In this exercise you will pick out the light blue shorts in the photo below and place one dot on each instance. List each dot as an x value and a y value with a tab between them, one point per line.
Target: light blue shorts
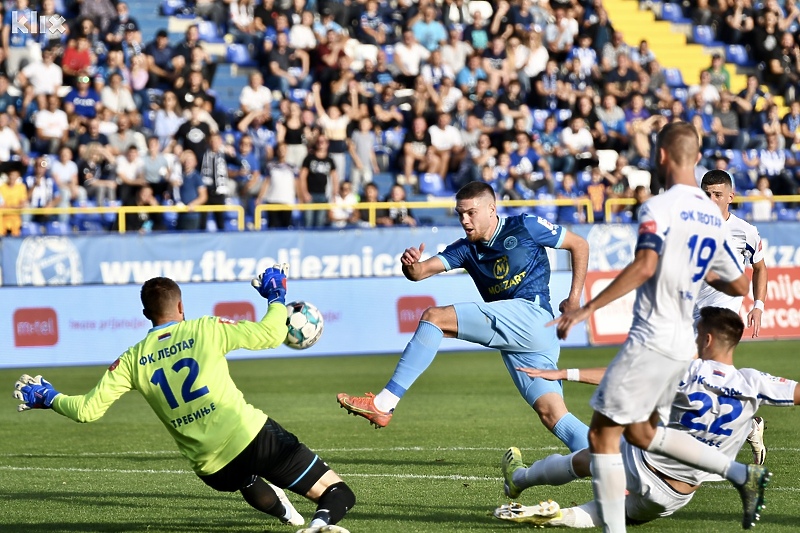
515	328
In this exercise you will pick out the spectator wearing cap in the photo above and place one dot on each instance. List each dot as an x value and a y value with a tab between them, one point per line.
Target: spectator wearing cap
52	126
82	103
77	58
16	43
45	75
160	63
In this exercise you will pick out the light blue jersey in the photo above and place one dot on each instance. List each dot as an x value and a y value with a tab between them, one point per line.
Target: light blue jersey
514	263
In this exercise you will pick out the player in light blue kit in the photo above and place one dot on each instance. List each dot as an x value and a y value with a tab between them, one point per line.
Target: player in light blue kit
507	260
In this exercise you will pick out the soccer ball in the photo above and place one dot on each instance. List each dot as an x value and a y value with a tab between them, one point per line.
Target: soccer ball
305	325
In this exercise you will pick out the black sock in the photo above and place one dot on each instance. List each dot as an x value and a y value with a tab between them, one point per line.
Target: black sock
334	503
261	496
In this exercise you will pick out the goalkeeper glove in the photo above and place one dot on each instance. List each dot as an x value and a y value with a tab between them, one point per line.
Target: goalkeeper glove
272	284
36	393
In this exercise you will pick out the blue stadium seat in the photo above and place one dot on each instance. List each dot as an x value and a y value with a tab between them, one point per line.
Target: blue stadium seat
584	179
389	51
737	54
208	32
680	93
56	228
30	228
785	214
673	13
539	116
384	182
433	184
239	54
171	8
706	36
674	77
563	115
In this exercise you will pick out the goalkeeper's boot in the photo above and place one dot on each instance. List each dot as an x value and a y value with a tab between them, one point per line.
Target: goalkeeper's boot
323	529
756	440
365	406
295	518
512	461
543	515
752	494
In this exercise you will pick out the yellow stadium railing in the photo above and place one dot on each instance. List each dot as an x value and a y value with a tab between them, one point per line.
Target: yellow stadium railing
125	210
611	203
373	207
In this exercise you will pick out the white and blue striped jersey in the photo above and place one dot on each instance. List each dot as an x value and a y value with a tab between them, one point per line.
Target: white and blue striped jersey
686	229
714	404
746	242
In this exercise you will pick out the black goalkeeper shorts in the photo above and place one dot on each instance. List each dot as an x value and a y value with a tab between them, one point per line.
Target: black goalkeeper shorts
275	455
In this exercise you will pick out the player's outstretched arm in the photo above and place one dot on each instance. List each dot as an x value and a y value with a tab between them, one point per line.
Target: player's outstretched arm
642	268
760	278
579	255
416	270
590	376
737	287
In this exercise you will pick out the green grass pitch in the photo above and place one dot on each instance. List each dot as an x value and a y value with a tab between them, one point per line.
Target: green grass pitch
434	469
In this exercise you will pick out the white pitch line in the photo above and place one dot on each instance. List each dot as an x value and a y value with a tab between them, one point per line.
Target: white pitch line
175	453
452	477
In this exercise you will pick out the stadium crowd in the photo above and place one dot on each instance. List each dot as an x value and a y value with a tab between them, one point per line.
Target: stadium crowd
372	100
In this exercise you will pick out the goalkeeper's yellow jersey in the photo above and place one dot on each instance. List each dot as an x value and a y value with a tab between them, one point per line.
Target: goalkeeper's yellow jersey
181	370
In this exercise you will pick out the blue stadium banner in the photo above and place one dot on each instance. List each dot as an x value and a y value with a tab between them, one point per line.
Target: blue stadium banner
186	257
132	259
60	326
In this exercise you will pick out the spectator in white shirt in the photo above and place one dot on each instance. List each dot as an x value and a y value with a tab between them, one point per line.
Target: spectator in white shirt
9	140
130	175
446	140
578	141
408	56
116	97
255	96
65	172
301	36
709	92
45	76
344	213
52	126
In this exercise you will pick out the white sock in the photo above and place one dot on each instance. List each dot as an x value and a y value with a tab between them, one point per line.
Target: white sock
690	451
317	523
608	483
386	401
553	470
581	517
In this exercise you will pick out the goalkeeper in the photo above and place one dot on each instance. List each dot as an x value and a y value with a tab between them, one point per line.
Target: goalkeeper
181	370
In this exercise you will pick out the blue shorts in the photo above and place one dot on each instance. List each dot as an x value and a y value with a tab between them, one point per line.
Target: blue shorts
515	328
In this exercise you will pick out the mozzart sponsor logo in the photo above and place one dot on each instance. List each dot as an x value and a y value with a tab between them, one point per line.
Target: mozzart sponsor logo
410	309
35	326
235	311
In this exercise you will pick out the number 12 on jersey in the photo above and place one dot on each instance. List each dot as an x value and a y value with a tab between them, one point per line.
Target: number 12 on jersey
187	394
